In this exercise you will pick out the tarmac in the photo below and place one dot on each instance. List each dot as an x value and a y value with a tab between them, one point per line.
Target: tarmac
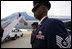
22	42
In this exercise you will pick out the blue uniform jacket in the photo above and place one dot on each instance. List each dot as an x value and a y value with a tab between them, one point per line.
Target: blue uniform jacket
50	34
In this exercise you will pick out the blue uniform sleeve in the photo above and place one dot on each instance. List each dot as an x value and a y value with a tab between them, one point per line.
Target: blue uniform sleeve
54	29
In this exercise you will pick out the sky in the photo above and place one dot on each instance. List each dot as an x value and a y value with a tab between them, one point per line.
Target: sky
58	8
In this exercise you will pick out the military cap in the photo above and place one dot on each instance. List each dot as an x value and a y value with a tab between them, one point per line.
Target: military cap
36	4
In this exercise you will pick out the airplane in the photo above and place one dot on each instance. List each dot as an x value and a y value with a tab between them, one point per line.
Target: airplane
24	21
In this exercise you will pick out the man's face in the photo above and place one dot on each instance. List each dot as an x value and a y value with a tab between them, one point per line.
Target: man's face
39	11
34	27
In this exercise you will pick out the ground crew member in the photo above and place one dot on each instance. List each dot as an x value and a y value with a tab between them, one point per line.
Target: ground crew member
50	33
1	34
34	26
